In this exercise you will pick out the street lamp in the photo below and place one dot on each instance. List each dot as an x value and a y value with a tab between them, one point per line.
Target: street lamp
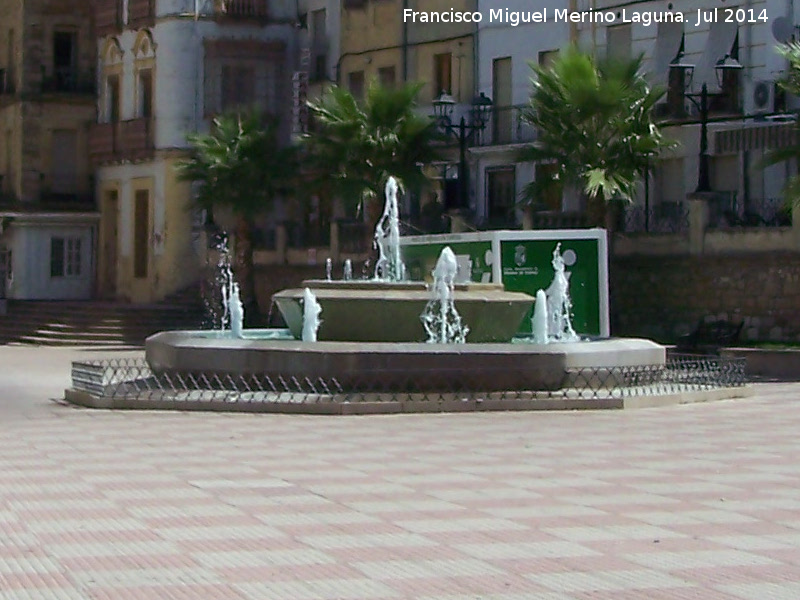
464	132
725	64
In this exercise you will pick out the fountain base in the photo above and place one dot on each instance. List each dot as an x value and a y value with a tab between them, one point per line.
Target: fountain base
378	311
406	367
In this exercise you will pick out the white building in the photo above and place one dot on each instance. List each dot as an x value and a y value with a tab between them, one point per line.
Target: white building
166	68
743	112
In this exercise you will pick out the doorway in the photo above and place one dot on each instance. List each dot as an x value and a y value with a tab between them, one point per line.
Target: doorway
110	211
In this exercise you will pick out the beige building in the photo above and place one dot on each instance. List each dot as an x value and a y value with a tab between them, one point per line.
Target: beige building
166	68
47	211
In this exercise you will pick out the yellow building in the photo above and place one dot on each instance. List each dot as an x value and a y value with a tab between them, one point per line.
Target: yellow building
47	90
389	41
163	75
380	40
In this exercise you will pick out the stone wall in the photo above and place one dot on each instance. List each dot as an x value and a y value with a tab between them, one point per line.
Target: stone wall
664	297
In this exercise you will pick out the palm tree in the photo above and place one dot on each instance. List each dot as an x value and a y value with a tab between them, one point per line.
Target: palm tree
240	165
791	83
354	147
595	124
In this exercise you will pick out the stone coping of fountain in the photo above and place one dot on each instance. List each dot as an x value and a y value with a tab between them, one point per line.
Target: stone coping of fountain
379	284
407	366
380	311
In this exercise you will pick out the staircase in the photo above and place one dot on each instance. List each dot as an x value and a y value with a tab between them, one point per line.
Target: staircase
95	323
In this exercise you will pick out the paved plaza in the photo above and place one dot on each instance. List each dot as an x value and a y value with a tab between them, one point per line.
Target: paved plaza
684	502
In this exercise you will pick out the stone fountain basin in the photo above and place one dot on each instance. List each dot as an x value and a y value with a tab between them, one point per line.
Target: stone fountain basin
378	311
393	367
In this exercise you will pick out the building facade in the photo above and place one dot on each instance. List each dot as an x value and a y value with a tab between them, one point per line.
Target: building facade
47	213
166	68
746	106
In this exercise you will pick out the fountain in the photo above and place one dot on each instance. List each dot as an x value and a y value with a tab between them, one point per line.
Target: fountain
347	273
311	310
539	321
440	317
559	305
236	312
389	266
376	331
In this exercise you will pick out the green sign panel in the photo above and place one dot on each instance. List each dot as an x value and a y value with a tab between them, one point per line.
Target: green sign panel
522	261
527	267
474	260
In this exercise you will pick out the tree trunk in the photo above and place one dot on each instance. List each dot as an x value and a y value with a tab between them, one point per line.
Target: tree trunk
245	272
597	211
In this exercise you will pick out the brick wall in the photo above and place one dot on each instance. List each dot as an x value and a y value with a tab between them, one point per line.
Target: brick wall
663	297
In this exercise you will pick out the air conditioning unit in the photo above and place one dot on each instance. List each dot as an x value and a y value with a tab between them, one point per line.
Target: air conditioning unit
766	97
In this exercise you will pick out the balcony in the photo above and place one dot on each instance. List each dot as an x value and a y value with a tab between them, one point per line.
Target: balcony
103	142
67	192
241	9
137	138
506	126
132	140
69	81
108	17
141	13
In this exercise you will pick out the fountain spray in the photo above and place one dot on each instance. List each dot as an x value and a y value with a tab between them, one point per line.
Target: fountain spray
390	265
311	311
440	317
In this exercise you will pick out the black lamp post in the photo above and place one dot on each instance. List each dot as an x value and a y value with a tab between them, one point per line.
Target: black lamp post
464	132
700	101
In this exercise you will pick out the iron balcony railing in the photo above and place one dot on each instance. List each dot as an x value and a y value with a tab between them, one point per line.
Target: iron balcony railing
122	140
661	217
506	126
68	81
251	9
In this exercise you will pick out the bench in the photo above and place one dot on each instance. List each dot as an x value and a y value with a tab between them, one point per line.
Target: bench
710	336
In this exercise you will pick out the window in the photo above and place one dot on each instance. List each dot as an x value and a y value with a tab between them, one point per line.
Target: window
10	62
618	42
112	98
501	192
547	58
502	115
8	180
141	233
731	78
386	76
65	257
319	45
550	198
318	30
64	163
145	93
65	60
355	83
6	267
442	73
320	67
238	86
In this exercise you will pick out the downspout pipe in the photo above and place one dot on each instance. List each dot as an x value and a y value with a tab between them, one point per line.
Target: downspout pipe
404	56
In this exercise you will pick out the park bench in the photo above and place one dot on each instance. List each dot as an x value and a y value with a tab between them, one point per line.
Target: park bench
710	336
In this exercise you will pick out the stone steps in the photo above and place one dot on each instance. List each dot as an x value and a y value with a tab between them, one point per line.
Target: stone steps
89	323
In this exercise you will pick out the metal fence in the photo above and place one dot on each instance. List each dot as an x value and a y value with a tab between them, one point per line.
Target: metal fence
664	217
130	383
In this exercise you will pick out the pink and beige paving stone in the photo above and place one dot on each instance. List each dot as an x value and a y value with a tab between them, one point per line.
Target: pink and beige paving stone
683	502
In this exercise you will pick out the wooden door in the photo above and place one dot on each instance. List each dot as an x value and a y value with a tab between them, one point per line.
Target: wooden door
110	241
